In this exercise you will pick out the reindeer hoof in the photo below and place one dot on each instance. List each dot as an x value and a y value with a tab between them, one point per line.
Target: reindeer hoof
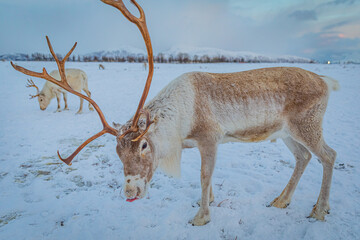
318	213
197	221
200	218
279	203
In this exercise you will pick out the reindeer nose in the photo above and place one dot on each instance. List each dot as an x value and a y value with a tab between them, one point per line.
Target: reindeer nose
130	191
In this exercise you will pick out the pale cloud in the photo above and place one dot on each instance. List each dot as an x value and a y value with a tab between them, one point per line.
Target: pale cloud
304	15
295	27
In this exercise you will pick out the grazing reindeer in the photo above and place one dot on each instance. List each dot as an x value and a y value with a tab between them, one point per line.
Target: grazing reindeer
101	67
77	80
203	110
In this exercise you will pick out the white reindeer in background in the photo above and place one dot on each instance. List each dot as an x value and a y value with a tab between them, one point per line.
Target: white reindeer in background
77	80
203	110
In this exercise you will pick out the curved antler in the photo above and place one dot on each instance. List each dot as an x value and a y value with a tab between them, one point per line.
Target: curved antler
32	84
64	84
141	24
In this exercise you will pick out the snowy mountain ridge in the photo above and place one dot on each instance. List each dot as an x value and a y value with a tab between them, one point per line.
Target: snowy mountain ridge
198	54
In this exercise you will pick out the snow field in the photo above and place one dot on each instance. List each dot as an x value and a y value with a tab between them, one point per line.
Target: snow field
41	198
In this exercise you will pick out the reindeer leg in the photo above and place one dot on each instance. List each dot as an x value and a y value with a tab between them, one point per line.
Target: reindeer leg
308	131
208	158
88	93
81	106
327	157
302	156
58	102
212	198
65	100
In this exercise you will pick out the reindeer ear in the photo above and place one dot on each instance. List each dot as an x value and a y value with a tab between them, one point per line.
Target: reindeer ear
117	126
142	123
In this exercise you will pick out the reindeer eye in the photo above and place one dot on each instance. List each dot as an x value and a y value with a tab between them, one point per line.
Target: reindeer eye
144	145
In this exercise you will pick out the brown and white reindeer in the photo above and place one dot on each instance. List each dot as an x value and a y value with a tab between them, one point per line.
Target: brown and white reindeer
101	67
77	80
203	110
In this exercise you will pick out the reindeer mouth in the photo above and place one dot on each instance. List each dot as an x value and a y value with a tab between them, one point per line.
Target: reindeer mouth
131	199
134	193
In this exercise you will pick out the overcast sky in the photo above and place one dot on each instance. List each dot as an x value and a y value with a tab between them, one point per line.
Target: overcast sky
310	28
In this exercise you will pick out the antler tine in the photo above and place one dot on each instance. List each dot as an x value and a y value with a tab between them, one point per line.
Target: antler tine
60	64
30	83
121	6
141	24
71	157
64	84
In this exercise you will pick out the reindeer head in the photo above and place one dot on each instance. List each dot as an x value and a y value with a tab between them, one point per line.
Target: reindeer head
43	101
134	147
139	165
137	153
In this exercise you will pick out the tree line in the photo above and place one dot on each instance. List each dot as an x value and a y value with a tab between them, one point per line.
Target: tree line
159	58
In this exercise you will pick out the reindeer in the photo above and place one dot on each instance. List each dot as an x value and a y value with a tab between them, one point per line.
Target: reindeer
101	67
203	110
77	80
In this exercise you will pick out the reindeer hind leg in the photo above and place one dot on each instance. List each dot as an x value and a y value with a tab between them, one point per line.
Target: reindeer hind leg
302	157
308	131
327	157
81	106
88	93
65	100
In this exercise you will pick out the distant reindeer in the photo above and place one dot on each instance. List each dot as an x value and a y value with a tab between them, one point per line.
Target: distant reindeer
77	80
201	109
101	67
145	66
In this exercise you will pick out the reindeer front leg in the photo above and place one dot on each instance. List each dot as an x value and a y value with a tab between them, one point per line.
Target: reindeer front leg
208	158
57	94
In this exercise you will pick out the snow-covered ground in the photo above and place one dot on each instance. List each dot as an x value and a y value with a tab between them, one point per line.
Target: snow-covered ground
42	198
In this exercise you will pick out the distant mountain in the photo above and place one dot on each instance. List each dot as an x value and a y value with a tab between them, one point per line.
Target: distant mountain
179	54
340	57
15	57
231	56
123	53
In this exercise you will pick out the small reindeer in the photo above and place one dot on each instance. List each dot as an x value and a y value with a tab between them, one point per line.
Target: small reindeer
145	66
101	67
203	110
77	80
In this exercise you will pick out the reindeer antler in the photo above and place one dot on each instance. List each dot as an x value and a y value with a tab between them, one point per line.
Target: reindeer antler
64	84
141	24
32	84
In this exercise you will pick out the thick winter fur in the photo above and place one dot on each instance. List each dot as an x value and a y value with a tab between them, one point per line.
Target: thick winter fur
77	80
203	110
